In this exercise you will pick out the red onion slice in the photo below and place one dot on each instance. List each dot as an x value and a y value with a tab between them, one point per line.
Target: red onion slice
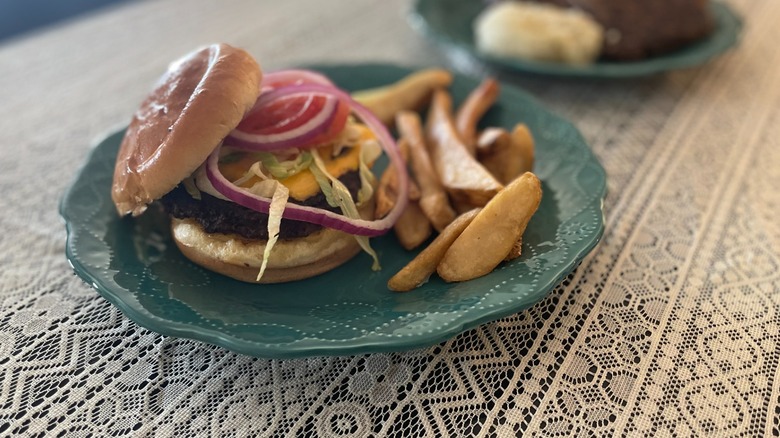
297	137
301	136
286	78
318	216
280	78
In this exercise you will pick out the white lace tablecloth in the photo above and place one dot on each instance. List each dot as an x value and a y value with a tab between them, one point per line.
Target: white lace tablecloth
669	328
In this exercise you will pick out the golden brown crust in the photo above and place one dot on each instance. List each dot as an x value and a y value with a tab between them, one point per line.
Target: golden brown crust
199	100
290	260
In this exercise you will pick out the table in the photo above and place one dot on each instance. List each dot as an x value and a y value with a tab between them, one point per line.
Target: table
669	328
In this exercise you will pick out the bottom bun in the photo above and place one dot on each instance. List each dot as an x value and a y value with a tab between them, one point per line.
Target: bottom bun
290	260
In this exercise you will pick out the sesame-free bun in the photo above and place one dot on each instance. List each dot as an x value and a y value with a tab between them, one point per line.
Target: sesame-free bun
194	106
290	259
538	32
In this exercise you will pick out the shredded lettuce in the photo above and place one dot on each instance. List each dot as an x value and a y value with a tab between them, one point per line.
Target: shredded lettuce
253	171
204	185
369	152
275	211
191	187
265	188
230	157
337	195
268	163
287	168
323	180
348	138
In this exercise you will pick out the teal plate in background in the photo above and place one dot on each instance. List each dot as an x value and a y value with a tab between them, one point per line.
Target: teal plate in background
449	23
134	264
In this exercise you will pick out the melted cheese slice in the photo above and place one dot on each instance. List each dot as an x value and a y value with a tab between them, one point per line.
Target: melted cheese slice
303	184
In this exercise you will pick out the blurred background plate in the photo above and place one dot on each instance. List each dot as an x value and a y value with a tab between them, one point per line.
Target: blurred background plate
449	24
134	264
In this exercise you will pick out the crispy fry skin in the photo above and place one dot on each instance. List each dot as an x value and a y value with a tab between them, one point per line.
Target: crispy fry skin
433	198
412	228
387	190
387	193
523	143
473	108
409	93
516	251
421	267
506	155
494	151
488	138
494	231
465	179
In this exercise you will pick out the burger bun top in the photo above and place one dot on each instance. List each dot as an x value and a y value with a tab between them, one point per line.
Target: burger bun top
198	101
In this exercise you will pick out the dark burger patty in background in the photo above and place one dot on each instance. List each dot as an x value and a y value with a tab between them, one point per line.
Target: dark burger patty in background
219	216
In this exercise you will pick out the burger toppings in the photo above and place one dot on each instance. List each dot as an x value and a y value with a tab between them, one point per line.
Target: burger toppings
293	138
337	195
278	201
288	115
217	215
318	216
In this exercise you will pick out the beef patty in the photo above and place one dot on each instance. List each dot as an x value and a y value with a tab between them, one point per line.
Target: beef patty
219	216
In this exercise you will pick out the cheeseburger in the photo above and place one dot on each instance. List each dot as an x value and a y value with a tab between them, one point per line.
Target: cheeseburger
266	178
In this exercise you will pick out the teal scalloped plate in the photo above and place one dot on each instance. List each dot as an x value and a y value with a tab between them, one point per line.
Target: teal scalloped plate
449	23
134	264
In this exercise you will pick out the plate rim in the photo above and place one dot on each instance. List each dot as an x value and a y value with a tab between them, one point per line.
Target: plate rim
296	348
727	34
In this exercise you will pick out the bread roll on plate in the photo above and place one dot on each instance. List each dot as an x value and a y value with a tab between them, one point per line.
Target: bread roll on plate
538	32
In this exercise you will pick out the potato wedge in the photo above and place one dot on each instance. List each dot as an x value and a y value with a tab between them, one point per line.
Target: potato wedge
516	251
488	138
412	228
417	271
523	144
410	93
461	206
433	198
506	155
387	193
387	190
473	108
489	238
494	152
465	179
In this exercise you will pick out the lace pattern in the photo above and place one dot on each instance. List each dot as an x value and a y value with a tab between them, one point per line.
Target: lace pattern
669	328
